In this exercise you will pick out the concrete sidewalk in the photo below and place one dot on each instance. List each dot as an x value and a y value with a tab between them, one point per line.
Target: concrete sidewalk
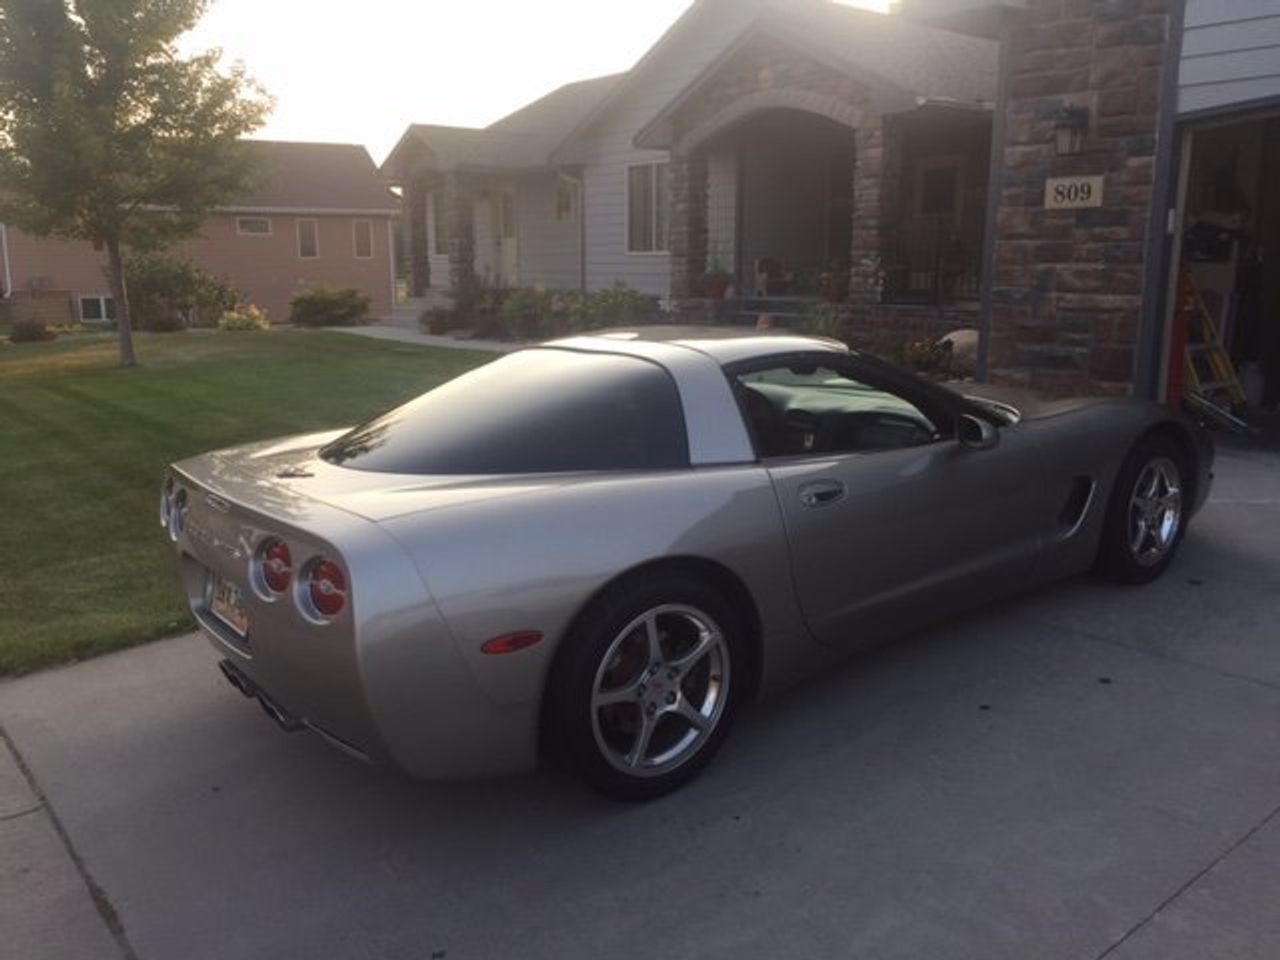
399	334
1088	772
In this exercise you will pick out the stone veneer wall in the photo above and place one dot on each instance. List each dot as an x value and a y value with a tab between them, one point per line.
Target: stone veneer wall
1067	287
766	74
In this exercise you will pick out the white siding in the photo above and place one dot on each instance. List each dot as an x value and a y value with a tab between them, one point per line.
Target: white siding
1230	53
607	149
550	249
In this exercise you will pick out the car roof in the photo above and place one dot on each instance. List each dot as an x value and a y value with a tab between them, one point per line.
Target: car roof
724	345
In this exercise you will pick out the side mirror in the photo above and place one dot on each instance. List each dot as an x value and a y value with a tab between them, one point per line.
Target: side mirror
974	433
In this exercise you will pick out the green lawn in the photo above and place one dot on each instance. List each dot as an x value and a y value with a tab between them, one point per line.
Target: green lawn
84	566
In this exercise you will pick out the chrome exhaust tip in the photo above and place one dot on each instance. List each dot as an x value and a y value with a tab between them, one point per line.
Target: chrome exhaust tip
284	721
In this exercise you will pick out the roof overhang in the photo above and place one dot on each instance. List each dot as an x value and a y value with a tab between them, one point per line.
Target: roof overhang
883	96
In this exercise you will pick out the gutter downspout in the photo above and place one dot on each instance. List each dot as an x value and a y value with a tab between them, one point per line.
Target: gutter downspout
8	273
995	187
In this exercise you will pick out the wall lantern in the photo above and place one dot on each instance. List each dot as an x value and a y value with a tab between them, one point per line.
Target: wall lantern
1070	126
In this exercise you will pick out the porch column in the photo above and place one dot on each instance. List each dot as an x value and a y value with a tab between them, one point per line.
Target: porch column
460	229
415	235
877	168
687	185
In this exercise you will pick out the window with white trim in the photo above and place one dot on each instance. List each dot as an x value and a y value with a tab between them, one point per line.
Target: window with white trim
647	208
308	239
253	226
97	309
566	200
362	238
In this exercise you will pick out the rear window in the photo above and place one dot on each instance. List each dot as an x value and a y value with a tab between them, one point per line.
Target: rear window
536	411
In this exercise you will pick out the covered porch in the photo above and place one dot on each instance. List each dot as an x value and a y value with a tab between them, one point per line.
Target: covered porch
461	189
796	180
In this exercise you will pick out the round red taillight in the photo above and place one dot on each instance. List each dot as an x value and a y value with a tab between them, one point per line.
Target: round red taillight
275	564
327	587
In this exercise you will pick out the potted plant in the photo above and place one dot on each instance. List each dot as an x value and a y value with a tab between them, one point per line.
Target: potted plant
716	282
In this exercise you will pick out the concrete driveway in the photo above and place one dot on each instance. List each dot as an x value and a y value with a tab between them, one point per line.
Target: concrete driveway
1088	772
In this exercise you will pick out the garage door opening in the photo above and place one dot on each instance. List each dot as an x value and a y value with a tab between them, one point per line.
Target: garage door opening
1224	319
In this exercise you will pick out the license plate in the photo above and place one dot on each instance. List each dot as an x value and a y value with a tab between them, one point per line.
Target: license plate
227	604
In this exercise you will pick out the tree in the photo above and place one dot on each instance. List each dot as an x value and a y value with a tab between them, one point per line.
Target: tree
109	135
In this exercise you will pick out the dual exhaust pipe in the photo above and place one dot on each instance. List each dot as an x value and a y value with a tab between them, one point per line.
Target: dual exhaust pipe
282	717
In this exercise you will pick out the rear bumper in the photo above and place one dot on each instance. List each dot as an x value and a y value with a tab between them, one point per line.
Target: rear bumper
384	679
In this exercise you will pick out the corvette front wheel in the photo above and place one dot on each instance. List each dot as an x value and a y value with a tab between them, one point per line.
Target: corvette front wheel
648	689
1146	518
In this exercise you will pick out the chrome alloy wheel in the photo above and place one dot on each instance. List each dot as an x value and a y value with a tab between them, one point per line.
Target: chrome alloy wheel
1155	511
660	690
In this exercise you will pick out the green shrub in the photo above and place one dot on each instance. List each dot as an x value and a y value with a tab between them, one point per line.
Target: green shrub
822	320
528	313
477	303
535	313
245	317
168	293
322	307
31	331
620	305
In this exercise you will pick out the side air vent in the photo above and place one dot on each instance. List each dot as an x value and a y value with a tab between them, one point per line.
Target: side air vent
1076	507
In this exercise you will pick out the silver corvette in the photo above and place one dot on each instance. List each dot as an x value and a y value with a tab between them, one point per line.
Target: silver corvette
601	548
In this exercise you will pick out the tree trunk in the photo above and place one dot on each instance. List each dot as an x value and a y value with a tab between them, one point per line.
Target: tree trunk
120	293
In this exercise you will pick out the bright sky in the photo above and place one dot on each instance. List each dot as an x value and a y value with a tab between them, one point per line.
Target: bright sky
360	71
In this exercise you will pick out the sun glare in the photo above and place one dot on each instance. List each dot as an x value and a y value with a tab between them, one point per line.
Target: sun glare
360	73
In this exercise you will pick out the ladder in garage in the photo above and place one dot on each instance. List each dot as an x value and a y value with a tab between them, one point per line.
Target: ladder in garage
1210	372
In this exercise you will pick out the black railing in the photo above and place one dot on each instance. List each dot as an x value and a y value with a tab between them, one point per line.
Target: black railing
931	260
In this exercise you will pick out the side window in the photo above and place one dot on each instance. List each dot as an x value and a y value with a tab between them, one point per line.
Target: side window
814	409
308	239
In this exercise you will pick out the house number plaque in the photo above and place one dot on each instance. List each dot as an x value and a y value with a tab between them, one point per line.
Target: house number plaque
1073	193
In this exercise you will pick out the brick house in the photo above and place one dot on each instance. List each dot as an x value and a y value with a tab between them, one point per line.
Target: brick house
1045	171
319	215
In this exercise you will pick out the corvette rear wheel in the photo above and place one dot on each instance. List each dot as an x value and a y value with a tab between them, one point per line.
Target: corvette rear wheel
1146	518
648	689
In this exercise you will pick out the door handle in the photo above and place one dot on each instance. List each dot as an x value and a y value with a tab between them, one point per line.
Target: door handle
822	493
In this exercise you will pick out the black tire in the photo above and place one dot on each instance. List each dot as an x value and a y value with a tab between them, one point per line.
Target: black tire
1119	560
595	738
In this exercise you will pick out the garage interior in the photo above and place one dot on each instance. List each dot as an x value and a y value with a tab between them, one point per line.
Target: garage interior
1225	312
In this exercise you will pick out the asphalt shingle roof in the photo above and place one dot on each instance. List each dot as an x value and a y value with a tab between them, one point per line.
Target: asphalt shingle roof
924	60
914	59
522	139
315	176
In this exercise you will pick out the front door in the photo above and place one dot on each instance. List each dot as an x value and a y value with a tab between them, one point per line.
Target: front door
508	254
891	523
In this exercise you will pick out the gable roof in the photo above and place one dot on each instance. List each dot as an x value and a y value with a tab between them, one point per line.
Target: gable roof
315	177
519	140
900	62
903	60
927	61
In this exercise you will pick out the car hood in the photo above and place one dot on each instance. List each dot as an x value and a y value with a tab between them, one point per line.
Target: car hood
285	477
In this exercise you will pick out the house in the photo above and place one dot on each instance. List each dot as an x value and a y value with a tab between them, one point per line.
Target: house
318	215
785	142
1047	171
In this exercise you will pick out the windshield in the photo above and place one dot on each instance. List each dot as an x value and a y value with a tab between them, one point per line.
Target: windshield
535	411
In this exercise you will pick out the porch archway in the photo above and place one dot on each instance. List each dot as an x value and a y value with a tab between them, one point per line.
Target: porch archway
842	111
